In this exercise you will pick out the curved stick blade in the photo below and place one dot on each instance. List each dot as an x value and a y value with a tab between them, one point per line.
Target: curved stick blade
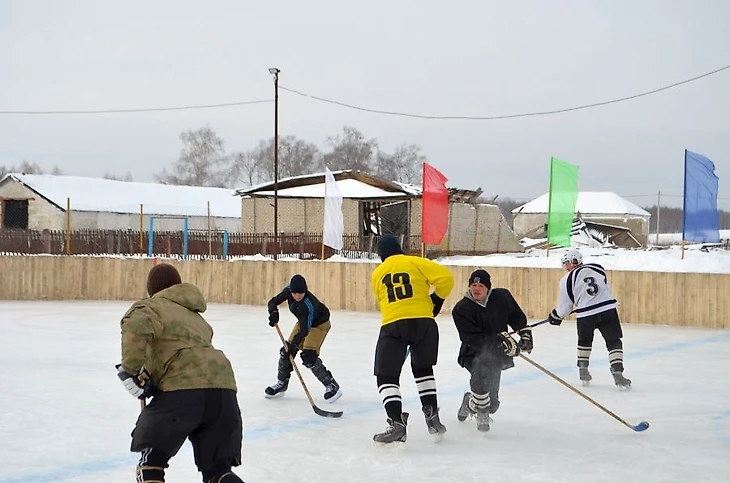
326	414
642	426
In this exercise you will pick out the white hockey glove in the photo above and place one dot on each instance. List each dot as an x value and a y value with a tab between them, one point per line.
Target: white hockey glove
138	385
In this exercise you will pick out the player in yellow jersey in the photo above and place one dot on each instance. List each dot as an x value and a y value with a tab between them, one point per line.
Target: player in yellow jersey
402	286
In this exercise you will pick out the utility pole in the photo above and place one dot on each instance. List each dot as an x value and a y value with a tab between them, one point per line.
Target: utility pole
658	210
275	72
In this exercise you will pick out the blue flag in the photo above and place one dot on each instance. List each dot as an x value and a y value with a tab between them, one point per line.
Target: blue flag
701	219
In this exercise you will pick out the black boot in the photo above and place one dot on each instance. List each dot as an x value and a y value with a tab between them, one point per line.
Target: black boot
229	477
464	410
585	376
395	432
433	423
277	389
621	381
332	390
282	375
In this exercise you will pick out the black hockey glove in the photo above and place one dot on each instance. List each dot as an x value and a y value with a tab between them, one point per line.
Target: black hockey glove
138	385
273	318
553	318
438	302
508	344
525	340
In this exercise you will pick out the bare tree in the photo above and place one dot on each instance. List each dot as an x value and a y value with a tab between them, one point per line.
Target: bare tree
202	161
262	156
296	157
246	168
351	151
26	167
404	165
127	177
56	171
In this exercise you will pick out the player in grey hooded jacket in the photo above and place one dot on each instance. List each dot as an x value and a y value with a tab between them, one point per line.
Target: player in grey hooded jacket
482	318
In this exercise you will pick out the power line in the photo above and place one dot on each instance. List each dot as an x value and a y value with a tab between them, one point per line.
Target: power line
364	109
509	116
144	109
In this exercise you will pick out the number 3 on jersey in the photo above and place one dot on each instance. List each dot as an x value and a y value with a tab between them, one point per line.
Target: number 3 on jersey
399	286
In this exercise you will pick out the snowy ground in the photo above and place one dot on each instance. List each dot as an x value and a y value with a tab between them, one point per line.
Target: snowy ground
697	259
65	417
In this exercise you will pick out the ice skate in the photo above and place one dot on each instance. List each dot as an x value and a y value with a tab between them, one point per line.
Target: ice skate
433	422
464	410
395	432
332	392
483	421
585	376
621	382
276	390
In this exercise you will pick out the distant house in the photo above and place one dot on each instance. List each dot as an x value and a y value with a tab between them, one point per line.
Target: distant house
373	206
600	210
38	202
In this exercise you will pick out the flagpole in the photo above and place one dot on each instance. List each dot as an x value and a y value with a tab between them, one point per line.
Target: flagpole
423	205
684	204
324	210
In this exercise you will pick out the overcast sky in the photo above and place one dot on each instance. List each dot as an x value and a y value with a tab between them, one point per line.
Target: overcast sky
457	57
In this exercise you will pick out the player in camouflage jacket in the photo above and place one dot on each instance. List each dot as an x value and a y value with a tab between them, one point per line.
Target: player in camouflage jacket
167	352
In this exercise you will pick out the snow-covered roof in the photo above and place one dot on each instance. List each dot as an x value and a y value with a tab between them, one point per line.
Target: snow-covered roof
589	203
110	196
350	188
352	184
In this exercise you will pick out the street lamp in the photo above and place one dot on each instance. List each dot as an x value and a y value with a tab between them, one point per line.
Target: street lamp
275	72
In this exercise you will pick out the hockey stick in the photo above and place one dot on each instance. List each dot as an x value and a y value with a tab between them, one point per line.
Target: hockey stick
642	426
530	326
318	411
544	321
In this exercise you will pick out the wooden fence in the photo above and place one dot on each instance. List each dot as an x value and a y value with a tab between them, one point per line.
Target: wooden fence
201	244
665	298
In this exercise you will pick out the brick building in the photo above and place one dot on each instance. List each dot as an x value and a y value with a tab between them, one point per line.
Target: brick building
601	208
40	202
372	206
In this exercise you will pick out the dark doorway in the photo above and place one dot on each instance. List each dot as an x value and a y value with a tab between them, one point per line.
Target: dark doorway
15	214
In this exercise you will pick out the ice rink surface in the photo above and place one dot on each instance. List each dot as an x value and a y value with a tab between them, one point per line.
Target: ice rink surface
64	416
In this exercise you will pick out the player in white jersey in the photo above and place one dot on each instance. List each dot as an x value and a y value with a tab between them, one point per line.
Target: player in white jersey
586	288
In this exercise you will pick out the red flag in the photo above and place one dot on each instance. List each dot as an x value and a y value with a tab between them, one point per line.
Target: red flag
435	208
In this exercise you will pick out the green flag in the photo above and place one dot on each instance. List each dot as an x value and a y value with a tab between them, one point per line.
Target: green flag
562	199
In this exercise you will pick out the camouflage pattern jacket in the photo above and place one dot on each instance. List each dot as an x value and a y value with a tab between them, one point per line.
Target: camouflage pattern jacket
167	335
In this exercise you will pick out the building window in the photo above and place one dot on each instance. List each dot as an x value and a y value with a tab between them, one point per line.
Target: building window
15	214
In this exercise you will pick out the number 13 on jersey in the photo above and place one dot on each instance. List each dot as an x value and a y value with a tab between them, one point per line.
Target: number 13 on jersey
398	286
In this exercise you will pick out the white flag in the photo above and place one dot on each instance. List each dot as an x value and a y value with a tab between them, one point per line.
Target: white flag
334	226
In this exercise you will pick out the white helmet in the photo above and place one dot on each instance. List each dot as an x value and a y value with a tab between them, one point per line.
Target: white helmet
572	256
